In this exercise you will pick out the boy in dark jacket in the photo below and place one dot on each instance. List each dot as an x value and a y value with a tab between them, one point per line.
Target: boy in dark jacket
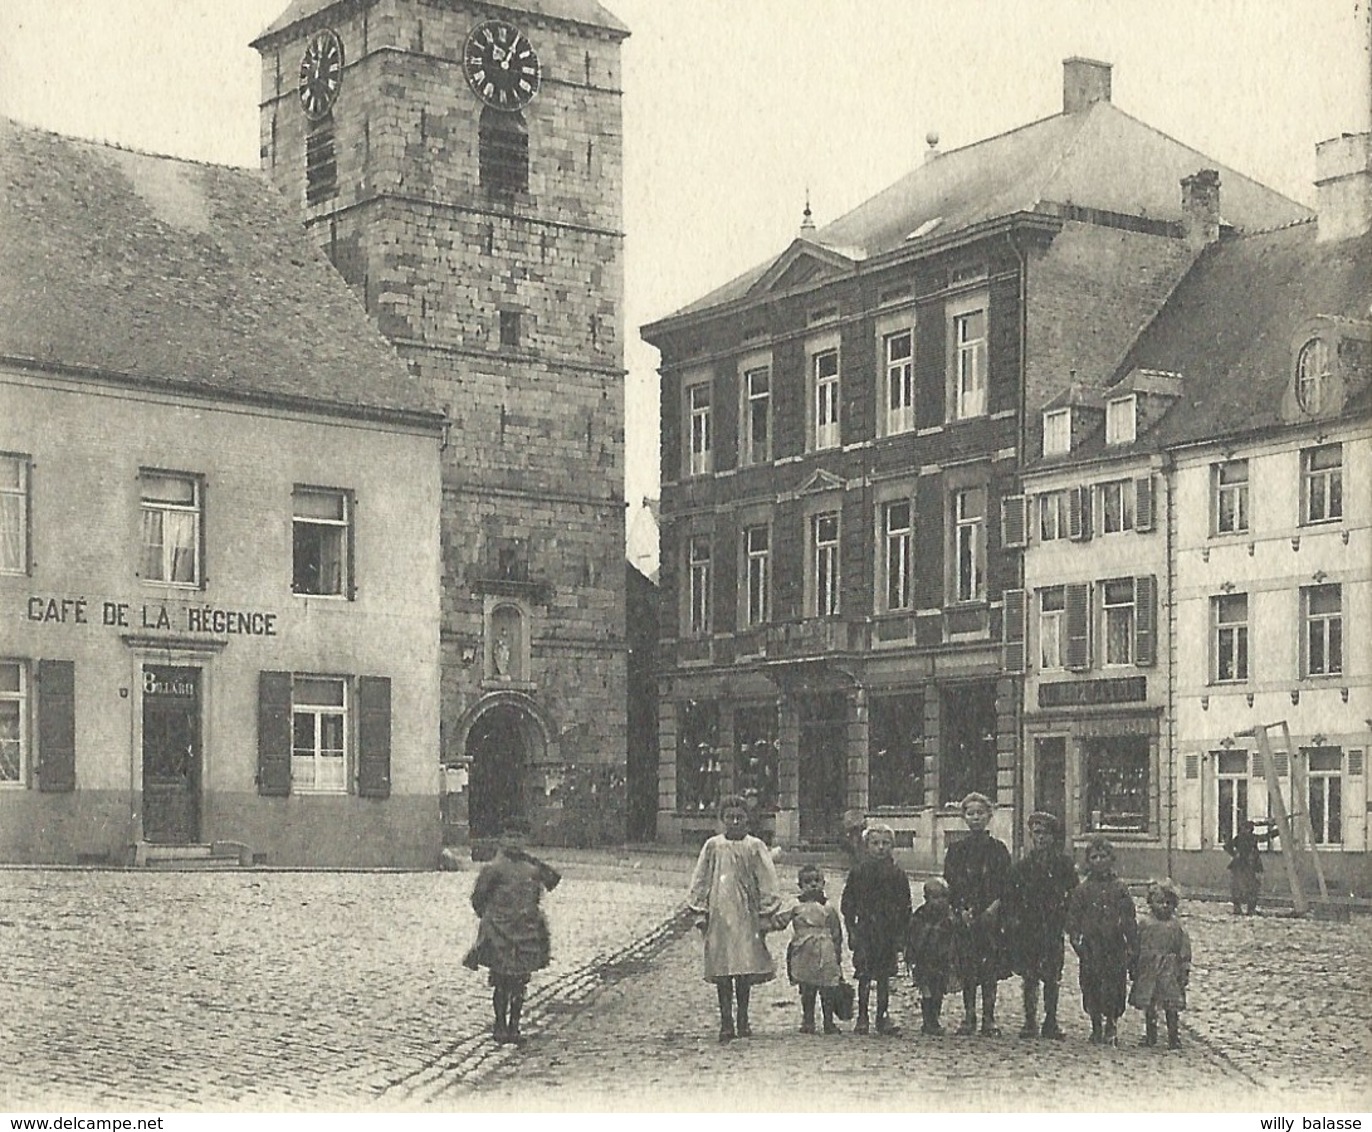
876	909
1035	915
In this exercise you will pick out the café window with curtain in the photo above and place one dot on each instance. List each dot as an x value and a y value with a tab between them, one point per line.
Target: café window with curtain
698	757
757	747
895	751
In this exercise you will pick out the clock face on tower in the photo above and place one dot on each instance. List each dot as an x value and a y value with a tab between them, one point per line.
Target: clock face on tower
501	65
321	74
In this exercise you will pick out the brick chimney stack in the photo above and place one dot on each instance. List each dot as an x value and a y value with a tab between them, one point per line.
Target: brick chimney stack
1343	186
1200	207
1084	82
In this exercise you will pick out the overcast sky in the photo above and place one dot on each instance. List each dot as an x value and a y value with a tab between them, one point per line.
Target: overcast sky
733	108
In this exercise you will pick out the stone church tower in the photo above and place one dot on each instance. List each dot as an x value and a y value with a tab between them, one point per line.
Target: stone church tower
461	165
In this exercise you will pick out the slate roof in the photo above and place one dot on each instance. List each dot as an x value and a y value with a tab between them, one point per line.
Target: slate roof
1228	326
1100	158
586	12
178	274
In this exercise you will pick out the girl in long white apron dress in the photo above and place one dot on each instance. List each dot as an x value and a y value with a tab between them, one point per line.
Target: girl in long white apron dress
735	895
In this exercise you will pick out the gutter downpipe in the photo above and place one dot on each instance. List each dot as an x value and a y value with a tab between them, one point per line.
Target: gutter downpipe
1169	710
1020	457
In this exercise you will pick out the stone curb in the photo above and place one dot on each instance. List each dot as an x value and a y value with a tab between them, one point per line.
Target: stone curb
469	1060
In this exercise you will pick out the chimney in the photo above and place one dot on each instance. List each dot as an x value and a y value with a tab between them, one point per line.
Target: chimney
1200	208
1084	82
1343	186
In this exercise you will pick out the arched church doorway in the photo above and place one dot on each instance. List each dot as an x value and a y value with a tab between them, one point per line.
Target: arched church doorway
499	747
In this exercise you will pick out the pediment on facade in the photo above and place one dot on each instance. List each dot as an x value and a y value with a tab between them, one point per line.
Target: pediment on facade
805	263
820	481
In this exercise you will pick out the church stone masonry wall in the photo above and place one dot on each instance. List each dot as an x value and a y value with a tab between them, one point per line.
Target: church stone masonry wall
536	446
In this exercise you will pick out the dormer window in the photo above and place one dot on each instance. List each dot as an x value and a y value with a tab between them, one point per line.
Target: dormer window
1313	371
1057	432
1120	418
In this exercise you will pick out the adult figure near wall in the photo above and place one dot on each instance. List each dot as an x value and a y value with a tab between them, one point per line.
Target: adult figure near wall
1245	865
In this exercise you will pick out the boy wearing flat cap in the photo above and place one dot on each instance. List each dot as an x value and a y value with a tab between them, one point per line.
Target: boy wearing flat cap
1041	882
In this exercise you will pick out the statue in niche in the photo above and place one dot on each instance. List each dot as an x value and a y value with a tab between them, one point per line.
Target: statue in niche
501	655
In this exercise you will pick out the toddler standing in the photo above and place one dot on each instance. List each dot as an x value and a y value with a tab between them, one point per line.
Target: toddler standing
1104	934
735	896
931	952
813	957
1164	966
876	909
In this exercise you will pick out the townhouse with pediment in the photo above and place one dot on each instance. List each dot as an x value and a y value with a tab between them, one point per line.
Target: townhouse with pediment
843	430
1215	600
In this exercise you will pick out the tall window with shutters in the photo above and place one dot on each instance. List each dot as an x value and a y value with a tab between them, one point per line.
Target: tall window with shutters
14	723
323	734
14	514
1231	793
1229	619
968	550
756	569
1052	628
1322	646
700	460
1229	505
1322	484
826	399
968	370
1324	787
1117	614
899	355
897	530
756	446
171	510
698	585
824	563
1116	504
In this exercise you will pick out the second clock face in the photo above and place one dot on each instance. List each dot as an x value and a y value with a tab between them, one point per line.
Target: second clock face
501	65
321	73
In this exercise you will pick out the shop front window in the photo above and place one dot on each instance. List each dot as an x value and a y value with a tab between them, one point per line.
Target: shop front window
895	751
757	744
1117	784
698	762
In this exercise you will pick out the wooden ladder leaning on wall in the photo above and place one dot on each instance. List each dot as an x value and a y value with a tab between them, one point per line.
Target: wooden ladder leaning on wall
1294	830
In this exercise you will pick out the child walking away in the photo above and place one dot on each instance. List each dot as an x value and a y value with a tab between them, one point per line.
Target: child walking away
512	940
876	909
1104	934
812	959
1164	966
977	868
931	952
735	896
1041	882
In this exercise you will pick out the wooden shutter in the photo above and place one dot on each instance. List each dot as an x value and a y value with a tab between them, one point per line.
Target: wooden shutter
1143	504
1012	631
374	737
274	734
1146	620
1014	522
1079	513
1078	617
56	726
930	533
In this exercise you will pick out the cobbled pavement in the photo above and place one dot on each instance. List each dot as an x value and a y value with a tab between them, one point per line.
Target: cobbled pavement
271	990
1278	1018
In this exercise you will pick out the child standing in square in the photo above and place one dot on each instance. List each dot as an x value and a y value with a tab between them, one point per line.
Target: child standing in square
1164	965
735	896
931	952
977	868
1041	882
1104	934
512	938
813	956
876	910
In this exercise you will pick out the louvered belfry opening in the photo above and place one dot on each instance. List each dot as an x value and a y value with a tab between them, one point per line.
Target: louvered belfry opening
321	162
504	153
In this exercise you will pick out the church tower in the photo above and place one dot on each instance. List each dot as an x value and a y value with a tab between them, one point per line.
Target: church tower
460	163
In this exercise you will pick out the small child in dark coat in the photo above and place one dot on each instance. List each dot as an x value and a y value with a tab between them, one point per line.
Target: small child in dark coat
876	910
931	952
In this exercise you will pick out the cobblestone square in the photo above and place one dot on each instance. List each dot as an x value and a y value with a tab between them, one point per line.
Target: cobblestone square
344	991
